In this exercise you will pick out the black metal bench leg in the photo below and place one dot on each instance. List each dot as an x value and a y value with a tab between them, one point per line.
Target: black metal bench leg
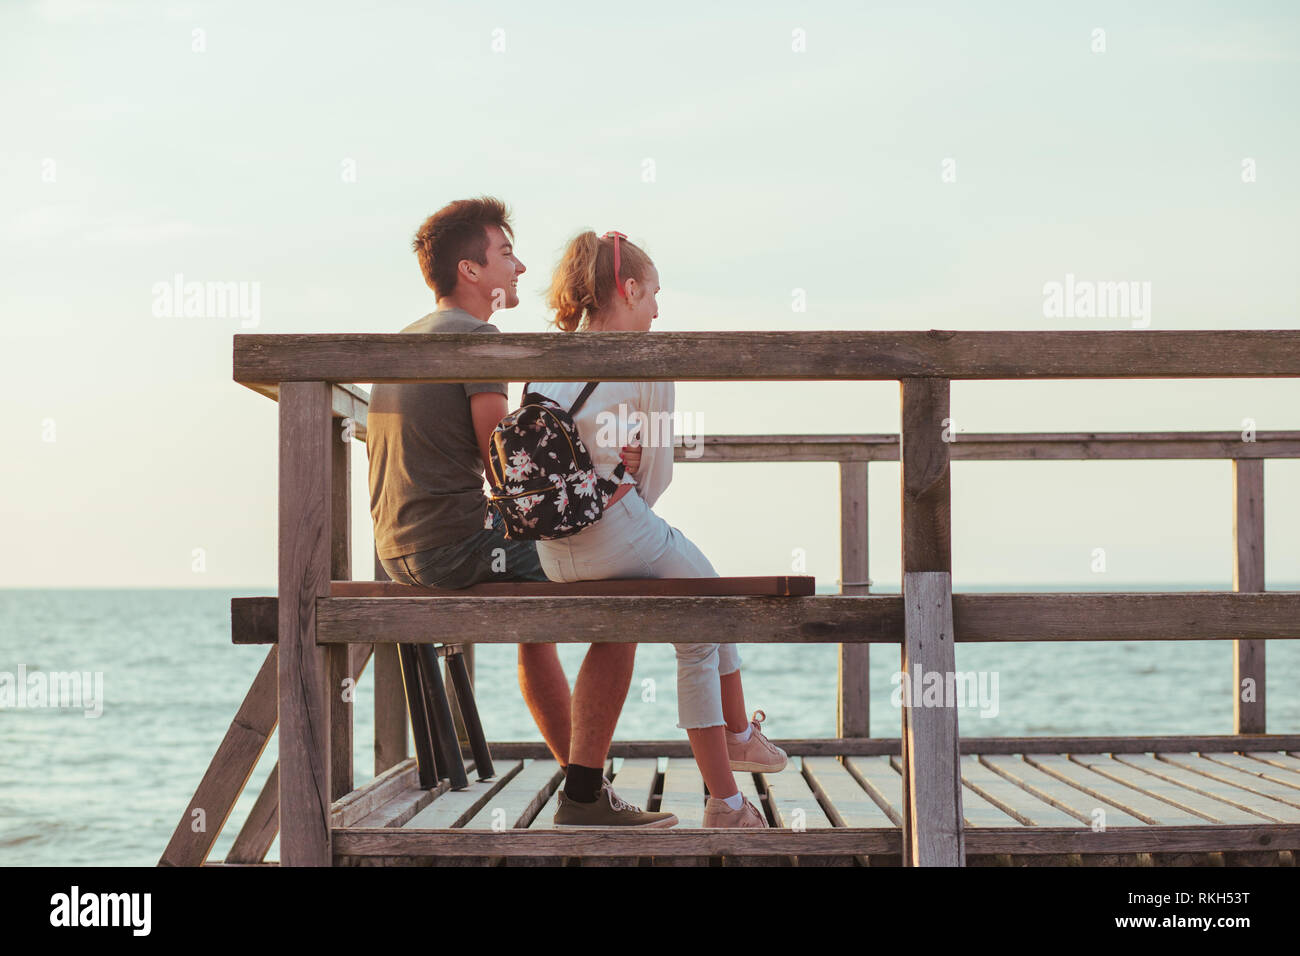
420	727
444	729
469	714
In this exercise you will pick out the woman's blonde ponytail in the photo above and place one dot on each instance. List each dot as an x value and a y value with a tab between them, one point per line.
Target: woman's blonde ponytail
584	280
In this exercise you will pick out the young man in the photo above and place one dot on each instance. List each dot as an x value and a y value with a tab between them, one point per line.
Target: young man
428	448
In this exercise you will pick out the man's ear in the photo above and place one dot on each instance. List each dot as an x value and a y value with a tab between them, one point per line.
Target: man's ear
467	269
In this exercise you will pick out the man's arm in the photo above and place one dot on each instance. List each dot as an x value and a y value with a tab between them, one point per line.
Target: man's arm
486	408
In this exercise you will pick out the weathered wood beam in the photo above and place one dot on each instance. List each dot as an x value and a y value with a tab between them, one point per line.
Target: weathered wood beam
306	435
766	356
1248	707
341	678
228	772
824	619
346	401
890	746
390	699
993	446
931	759
406	842
853	709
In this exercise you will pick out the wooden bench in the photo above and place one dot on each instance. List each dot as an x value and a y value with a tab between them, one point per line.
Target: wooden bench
254	620
429	706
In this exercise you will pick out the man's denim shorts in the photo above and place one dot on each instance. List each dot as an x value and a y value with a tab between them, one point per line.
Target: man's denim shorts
486	555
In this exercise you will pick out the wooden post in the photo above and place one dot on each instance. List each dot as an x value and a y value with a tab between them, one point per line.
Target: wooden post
340	669
390	700
306	467
932	818
1248	575
854	712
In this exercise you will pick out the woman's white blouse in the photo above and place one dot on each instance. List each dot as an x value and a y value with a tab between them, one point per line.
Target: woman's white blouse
610	413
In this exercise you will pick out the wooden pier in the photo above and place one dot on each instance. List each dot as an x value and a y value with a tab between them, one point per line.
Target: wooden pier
927	798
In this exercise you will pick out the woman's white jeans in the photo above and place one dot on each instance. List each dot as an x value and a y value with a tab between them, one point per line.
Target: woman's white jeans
631	541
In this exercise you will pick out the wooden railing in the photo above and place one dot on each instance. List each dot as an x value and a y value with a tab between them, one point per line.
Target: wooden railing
310	375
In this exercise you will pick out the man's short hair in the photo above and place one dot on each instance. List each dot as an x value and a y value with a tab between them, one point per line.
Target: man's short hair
457	231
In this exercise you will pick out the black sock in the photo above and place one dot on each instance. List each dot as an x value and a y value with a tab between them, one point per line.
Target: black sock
582	783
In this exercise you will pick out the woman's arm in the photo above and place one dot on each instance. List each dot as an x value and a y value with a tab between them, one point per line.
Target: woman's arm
656	440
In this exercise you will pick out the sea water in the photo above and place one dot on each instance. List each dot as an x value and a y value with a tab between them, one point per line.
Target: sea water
109	789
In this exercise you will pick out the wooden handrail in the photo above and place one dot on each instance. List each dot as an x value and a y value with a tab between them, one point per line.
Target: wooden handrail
264	360
996	446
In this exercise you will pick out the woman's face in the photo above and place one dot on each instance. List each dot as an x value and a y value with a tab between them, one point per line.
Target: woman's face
637	313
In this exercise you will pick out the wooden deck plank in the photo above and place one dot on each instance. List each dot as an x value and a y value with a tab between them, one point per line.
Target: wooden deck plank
1012	799
1276	758
376	792
1242	800
1133	802
978	812
794	806
683	794
1249	765
1162	788
1056	791
404	805
1276	792
456	807
788	793
850	805
515	805
882	783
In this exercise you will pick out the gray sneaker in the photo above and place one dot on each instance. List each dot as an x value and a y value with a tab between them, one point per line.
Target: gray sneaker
608	811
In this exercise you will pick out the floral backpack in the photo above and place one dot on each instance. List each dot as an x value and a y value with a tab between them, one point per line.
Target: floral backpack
544	484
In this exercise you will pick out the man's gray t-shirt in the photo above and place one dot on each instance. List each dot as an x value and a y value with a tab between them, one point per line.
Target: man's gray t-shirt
426	472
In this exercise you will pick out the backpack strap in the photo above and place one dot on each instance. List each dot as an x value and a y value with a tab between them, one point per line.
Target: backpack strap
620	468
586	392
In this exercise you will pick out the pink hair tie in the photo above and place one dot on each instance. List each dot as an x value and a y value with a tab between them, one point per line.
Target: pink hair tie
616	236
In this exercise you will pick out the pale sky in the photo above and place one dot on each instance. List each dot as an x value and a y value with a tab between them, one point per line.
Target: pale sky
752	149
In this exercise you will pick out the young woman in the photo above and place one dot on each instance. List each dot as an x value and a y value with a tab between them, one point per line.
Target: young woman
607	284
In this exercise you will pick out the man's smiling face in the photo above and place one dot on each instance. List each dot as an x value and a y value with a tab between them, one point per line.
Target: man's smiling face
502	270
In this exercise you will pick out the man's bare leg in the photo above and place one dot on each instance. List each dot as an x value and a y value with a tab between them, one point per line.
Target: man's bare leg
546	692
598	696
